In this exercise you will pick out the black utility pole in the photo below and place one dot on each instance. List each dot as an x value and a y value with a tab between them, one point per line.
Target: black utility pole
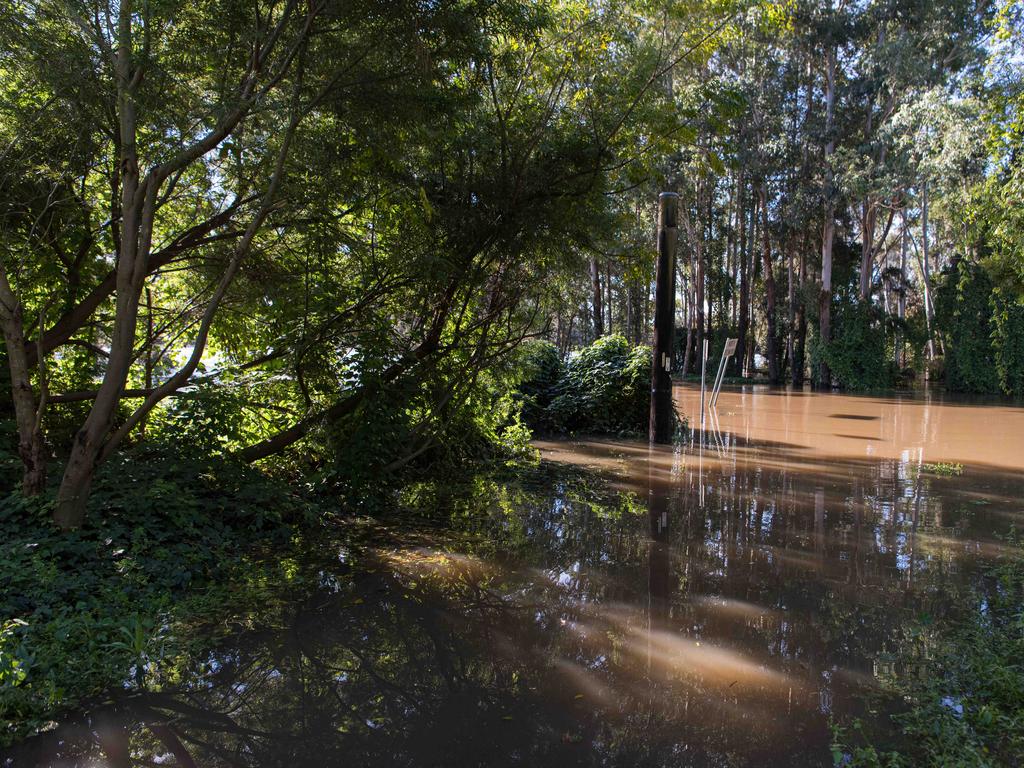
662	417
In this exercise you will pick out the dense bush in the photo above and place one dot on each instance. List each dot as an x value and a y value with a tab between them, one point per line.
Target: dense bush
603	388
437	424
208	419
963	315
541	371
858	354
1008	341
982	327
170	540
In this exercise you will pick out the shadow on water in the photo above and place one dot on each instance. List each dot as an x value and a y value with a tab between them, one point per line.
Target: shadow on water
933	395
715	605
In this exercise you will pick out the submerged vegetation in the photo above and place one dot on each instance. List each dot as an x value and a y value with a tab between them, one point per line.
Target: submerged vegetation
961	686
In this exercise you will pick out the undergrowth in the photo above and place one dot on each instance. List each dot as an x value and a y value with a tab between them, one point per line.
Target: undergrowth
962	688
601	389
172	542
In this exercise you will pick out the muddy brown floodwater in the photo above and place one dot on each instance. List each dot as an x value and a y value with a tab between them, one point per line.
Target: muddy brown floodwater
717	604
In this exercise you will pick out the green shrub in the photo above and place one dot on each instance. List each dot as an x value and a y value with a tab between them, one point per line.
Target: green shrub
1008	341
170	539
963	315
603	388
209	419
914	334
541	370
858	354
438	423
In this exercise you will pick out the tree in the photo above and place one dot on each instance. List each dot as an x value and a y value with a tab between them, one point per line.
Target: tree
191	154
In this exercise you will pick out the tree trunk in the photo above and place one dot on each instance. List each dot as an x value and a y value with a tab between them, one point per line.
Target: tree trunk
598	311
870	204
797	373
73	493
743	310
27	411
824	377
137	204
662	415
627	299
748	353
790	307
687	353
608	296
728	299
150	362
886	304
901	296
696	241
645	296
709	237
699	320
772	352
637	290
926	271
867	247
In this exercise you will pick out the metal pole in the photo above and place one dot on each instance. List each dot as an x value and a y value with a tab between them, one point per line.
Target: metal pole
718	381
703	367
727	352
662	420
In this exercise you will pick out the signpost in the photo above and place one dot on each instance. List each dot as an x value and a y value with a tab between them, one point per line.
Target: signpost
729	351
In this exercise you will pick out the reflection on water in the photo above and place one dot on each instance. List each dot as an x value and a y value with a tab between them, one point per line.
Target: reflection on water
715	605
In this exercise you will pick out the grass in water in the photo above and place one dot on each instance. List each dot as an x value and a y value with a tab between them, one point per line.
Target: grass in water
962	687
945	468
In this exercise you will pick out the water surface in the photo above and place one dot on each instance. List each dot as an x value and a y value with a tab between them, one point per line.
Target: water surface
717	604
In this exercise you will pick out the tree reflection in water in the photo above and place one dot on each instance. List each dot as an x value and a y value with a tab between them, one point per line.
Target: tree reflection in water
573	616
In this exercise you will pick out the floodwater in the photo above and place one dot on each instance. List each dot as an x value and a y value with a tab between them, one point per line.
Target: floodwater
717	604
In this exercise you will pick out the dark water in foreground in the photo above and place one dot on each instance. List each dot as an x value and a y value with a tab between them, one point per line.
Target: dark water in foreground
713	606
